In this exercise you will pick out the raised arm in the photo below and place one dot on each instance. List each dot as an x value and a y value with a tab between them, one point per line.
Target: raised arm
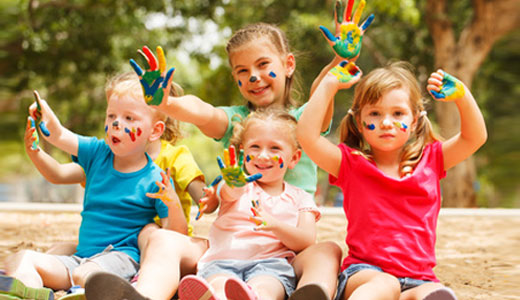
57	135
321	151
156	83
51	169
444	87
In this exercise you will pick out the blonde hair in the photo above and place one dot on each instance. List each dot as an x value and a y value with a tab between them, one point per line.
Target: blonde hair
128	83
369	90
279	115
279	40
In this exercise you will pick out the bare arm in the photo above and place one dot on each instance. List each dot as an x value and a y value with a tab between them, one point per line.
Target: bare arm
59	136
212	121
473	133
295	238
51	169
196	189
321	151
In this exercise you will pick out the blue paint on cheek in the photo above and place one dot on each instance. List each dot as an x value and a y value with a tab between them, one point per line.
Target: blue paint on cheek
106	128
371	126
272	74
239	83
127	130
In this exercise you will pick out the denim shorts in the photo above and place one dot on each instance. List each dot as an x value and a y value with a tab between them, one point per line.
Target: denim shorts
245	270
406	282
115	262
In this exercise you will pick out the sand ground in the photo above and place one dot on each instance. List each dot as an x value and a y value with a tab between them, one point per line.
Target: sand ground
478	255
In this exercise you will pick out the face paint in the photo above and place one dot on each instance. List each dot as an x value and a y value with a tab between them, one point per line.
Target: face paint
252	79
369	126
401	126
272	74
279	160
249	158
115	123
133	132
106	128
239	83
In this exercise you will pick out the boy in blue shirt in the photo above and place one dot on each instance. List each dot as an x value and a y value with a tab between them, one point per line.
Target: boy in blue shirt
124	190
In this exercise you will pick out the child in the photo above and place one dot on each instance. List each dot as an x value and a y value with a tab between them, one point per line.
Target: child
122	182
388	165
263	68
256	248
188	179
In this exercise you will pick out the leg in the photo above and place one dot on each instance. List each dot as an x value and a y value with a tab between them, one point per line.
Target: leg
267	287
82	272
62	248
428	291
144	236
318	265
37	269
168	256
372	284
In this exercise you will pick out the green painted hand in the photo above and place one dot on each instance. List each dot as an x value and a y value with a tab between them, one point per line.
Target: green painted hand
232	171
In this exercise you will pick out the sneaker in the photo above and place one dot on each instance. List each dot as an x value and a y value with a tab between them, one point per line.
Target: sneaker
14	287
441	294
192	287
237	289
310	291
108	286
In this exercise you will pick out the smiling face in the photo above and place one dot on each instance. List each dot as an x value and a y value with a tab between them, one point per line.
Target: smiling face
261	71
387	124
129	123
267	145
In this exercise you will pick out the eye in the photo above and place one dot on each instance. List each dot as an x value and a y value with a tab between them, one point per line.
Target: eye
276	148
254	146
129	118
111	116
263	63
398	113
373	113
241	71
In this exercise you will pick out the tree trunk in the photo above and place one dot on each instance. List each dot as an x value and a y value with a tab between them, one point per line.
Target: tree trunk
462	58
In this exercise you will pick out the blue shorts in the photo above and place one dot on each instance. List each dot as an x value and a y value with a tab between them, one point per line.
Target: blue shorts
115	262
406	282
245	270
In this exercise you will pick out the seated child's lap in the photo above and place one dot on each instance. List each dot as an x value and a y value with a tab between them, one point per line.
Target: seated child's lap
115	262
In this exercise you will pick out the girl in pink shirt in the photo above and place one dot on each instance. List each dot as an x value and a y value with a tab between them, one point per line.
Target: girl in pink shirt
388	165
263	221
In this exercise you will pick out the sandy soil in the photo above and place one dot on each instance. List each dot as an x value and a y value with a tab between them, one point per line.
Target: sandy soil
477	256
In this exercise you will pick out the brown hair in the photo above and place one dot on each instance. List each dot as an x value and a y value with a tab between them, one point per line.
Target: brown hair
129	83
278	39
369	90
279	115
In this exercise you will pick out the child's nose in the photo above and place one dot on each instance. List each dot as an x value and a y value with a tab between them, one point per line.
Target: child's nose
115	124
386	123
263	155
253	78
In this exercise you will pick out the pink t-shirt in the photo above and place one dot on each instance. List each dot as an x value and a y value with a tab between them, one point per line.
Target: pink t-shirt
232	236
392	222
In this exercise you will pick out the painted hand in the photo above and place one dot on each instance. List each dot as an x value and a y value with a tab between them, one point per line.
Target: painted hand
156	85
166	191
31	136
347	74
232	171
261	218
210	198
444	87
347	41
38	115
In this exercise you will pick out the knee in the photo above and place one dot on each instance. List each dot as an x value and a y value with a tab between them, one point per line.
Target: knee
325	250
390	283
166	240
79	275
14	260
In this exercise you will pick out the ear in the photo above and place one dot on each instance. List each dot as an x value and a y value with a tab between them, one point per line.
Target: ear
157	131
290	64
295	158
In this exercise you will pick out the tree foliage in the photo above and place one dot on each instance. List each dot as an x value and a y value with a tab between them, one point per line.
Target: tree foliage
67	50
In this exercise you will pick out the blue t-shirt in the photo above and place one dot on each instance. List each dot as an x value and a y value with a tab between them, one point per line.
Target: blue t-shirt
115	206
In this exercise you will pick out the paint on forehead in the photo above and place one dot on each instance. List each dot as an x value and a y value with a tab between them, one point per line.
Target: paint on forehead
272	74
401	126
369	126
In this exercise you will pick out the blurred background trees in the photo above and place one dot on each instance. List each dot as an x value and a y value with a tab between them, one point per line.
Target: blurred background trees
67	50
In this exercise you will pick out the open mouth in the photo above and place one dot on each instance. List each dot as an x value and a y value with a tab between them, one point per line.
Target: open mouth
263	168
115	140
259	90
